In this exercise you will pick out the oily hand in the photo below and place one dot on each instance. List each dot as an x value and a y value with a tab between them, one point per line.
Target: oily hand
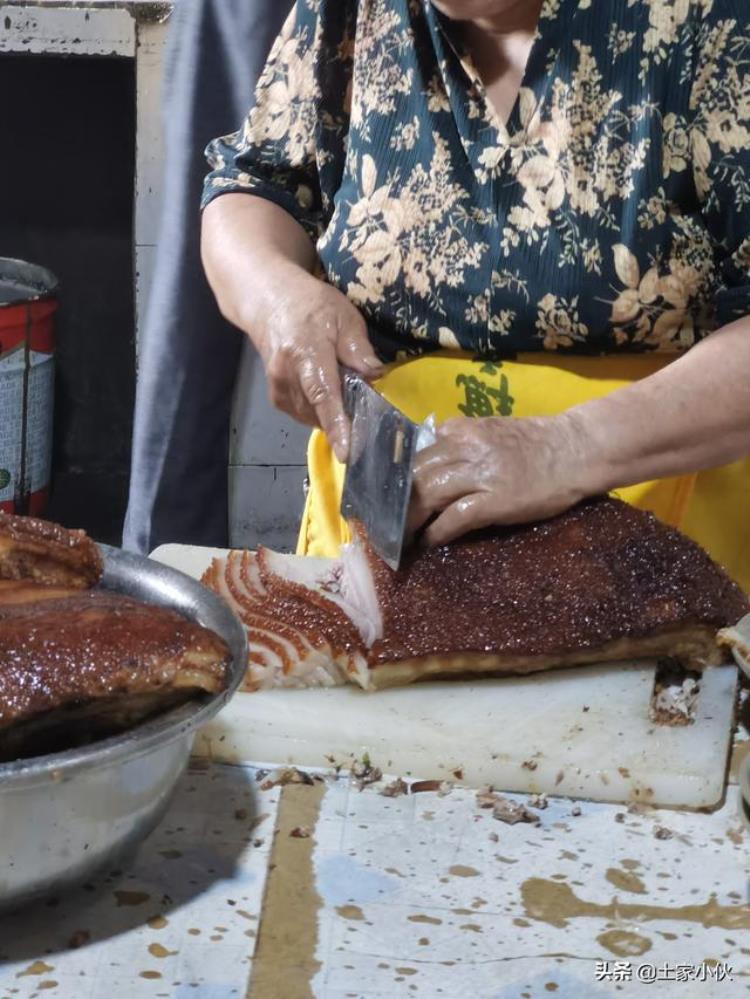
496	470
311	331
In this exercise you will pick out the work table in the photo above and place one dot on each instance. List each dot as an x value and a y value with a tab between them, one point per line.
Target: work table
420	894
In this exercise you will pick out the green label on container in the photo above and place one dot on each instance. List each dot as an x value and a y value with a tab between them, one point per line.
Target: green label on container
4	478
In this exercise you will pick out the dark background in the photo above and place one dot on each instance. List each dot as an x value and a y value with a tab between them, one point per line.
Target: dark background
67	171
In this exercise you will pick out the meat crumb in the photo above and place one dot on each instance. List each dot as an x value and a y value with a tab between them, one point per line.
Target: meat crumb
640	808
424	785
575	810
537	801
285	775
458	773
559	778
365	773
395	789
79	938
486	798
258	843
300	832
619	816
505	810
661	832
675	696
529	765
494	838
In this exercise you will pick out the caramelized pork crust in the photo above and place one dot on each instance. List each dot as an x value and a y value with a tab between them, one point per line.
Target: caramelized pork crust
42	552
603	574
100	653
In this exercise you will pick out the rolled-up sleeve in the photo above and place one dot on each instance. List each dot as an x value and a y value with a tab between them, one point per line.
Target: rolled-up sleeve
292	142
720	142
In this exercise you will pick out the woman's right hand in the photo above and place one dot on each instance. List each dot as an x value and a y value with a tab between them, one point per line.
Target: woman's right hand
312	329
259	263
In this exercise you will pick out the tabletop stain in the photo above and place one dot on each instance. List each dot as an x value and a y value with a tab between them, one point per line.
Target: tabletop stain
350	912
461	871
622	943
284	961
625	881
35	968
156	950
555	903
130	897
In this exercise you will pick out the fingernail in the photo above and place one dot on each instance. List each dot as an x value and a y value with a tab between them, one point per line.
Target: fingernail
372	363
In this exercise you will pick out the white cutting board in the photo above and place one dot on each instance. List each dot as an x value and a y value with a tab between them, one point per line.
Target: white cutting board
587	730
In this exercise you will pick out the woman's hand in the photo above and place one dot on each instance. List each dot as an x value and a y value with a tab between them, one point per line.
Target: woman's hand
310	331
497	470
259	262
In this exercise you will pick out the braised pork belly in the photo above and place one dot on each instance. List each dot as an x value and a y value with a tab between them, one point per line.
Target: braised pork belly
603	582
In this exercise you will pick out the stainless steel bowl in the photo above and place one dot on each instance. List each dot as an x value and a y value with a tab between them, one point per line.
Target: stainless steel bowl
66	816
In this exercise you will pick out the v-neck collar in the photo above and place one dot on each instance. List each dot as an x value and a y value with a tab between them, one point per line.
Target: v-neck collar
479	125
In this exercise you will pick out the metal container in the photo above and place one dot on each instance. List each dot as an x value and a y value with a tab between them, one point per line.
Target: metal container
28	302
66	816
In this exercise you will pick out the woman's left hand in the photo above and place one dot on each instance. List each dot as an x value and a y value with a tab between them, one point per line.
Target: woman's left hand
499	470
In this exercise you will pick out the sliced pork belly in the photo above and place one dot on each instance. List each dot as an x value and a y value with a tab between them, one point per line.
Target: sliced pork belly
41	552
15	591
602	582
282	651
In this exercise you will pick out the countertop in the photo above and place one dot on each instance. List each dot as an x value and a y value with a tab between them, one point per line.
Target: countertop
328	890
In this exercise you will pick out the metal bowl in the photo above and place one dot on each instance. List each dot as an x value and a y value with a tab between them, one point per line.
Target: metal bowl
66	816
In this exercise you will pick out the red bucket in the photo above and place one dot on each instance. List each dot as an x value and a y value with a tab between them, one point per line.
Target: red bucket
28	302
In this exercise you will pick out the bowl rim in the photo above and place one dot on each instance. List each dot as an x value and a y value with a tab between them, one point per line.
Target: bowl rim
163	729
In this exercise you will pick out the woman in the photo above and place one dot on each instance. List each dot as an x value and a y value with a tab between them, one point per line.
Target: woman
526	209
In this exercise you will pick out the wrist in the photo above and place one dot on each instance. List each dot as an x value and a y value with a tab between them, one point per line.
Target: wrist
592	470
281	282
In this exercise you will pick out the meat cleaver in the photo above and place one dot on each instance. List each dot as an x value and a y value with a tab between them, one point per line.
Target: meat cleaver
377	485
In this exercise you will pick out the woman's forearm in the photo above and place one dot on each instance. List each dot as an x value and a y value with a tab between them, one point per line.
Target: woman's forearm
260	264
691	415
250	248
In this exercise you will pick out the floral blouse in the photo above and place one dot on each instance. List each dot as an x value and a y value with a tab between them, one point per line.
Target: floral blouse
611	213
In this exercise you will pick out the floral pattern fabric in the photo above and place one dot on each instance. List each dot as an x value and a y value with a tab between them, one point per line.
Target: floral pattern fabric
610	213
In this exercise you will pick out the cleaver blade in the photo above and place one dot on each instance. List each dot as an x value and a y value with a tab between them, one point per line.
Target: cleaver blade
377	484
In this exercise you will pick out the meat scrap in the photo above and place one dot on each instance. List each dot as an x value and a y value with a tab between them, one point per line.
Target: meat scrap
300	832
505	810
440	787
395	789
537	801
675	697
365	773
661	832
283	776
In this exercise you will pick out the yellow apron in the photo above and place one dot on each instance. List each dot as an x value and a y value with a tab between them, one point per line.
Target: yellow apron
711	507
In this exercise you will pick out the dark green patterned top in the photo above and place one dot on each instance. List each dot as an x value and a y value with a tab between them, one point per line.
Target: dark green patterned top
611	214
